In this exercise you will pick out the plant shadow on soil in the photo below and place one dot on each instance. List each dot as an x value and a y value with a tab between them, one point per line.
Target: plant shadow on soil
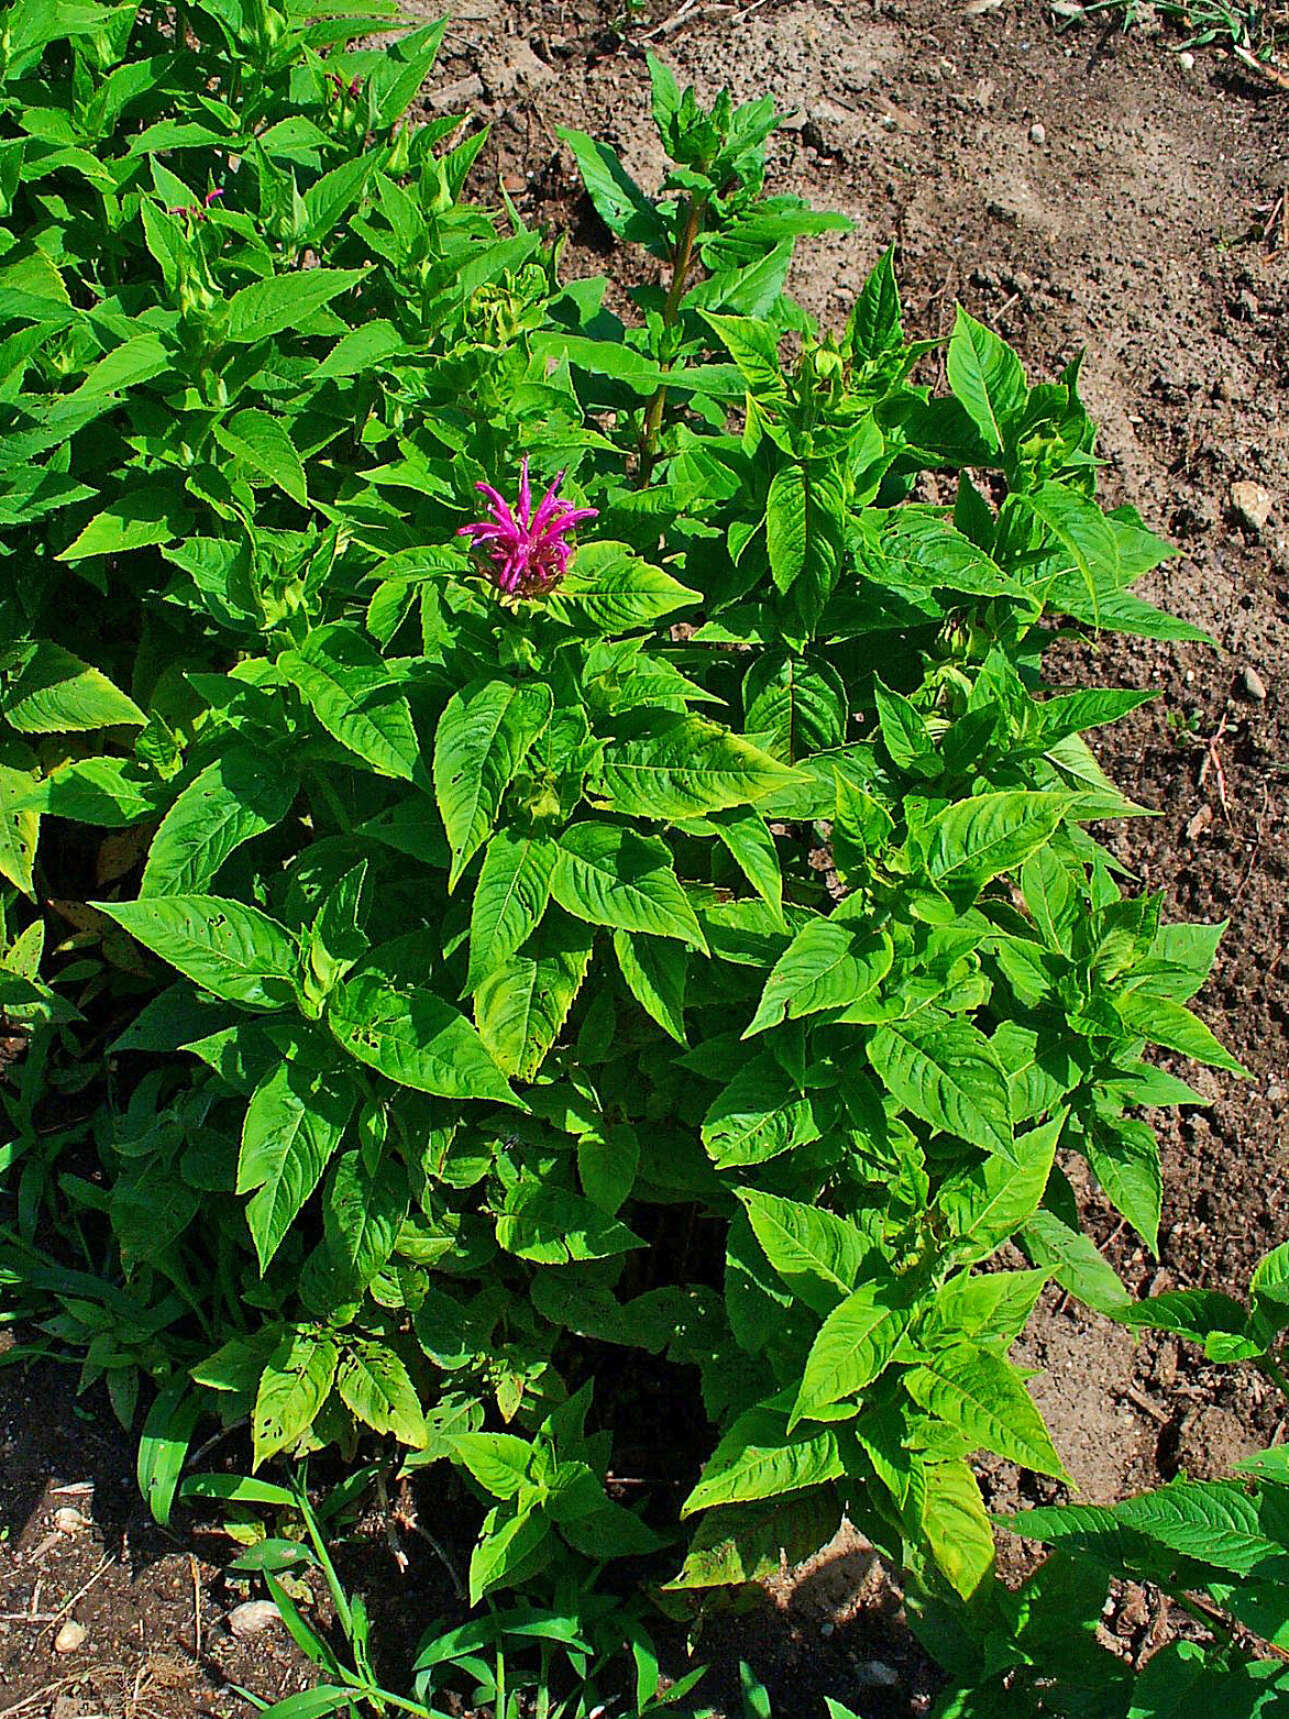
831	1628
1143	228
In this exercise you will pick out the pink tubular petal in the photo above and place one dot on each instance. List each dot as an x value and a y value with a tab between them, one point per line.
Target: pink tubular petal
549	502
525	495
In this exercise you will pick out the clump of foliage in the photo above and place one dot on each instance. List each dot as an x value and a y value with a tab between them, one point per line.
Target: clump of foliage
434	976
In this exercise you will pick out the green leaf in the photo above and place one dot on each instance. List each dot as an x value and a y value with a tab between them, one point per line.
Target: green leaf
239	796
111	792
361	349
610	590
986	376
329	197
314	1703
620	203
854	1344
262	442
956	1526
136	360
19	824
362	1213
509	899
992	1307
293	1387
796	704
135	520
480	742
976	839
828	965
1124	1155
293	1124
758	1459
374	1385
1075	1263
414	1038
344	679
607	1164
504	1550
1087	539
554	1226
1172	1025
501	1463
54	692
1270	1279
683	766
655	969
742	1543
944	1070
228	948
759	1115
816	1253
270	307
787	525
1190	1313
990	1202
747	836
163	1445
522	1005
608	875
981	1394
1211	1522
905	734
874	326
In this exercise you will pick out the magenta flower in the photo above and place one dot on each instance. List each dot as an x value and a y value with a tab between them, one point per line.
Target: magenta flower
529	551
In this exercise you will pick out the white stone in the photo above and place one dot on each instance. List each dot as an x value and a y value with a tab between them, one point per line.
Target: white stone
1252	503
251	1617
70	1637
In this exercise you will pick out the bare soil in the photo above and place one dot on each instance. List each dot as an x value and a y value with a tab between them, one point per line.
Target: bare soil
1074	190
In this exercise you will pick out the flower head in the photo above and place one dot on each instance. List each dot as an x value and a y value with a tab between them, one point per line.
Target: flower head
528	548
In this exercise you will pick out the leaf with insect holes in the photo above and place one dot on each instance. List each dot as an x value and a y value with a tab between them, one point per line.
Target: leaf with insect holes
292	1390
228	948
374	1385
238	796
413	1037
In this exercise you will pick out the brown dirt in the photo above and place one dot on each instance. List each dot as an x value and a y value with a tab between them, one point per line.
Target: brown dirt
1138	228
136	1590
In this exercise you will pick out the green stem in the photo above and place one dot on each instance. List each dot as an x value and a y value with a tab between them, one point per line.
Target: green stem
681	260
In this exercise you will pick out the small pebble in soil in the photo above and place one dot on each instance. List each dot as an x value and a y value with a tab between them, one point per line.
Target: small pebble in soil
1252	504
1253	684
68	1520
70	1637
1196	825
251	1617
1186	60
876	1675
1038	132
